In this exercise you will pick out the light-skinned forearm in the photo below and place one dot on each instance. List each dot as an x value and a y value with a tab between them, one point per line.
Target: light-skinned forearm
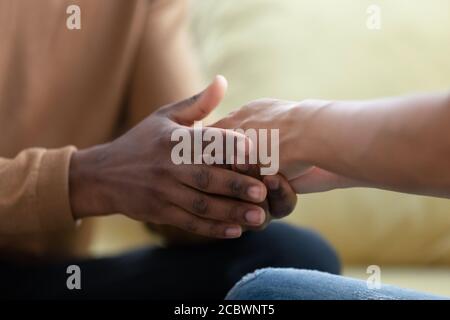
400	144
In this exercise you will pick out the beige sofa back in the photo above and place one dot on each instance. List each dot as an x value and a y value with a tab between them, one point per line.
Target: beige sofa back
323	49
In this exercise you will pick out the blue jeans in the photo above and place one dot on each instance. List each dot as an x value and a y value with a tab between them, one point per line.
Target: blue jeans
296	284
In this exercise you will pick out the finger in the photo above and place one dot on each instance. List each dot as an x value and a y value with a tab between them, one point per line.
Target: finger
226	122
209	228
218	181
197	107
222	146
219	208
265	207
281	196
229	121
210	146
252	170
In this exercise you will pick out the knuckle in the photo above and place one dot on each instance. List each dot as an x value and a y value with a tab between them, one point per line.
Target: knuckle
233	213
200	205
246	107
193	99
190	225
261	101
201	178
236	187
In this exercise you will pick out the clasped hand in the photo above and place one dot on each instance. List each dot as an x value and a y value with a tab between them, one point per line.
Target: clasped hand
134	175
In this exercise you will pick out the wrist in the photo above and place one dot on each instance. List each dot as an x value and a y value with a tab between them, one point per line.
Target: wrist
312	136
87	191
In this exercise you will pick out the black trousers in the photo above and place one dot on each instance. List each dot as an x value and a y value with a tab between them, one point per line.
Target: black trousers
204	271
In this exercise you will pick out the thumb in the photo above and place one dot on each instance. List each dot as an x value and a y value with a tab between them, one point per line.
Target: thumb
197	107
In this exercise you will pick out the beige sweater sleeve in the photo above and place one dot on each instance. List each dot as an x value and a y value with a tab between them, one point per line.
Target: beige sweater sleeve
34	195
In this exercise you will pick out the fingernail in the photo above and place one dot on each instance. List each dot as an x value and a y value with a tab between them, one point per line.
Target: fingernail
273	184
255	193
255	217
233	232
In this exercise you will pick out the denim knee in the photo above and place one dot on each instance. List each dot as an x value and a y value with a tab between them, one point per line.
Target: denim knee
268	284
294	284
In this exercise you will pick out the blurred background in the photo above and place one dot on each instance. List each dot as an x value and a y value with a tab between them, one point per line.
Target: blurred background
296	49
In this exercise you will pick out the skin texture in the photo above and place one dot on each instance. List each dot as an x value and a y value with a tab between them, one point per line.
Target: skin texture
135	175
400	144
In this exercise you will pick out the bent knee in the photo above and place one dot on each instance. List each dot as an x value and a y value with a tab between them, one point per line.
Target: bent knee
276	284
293	284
